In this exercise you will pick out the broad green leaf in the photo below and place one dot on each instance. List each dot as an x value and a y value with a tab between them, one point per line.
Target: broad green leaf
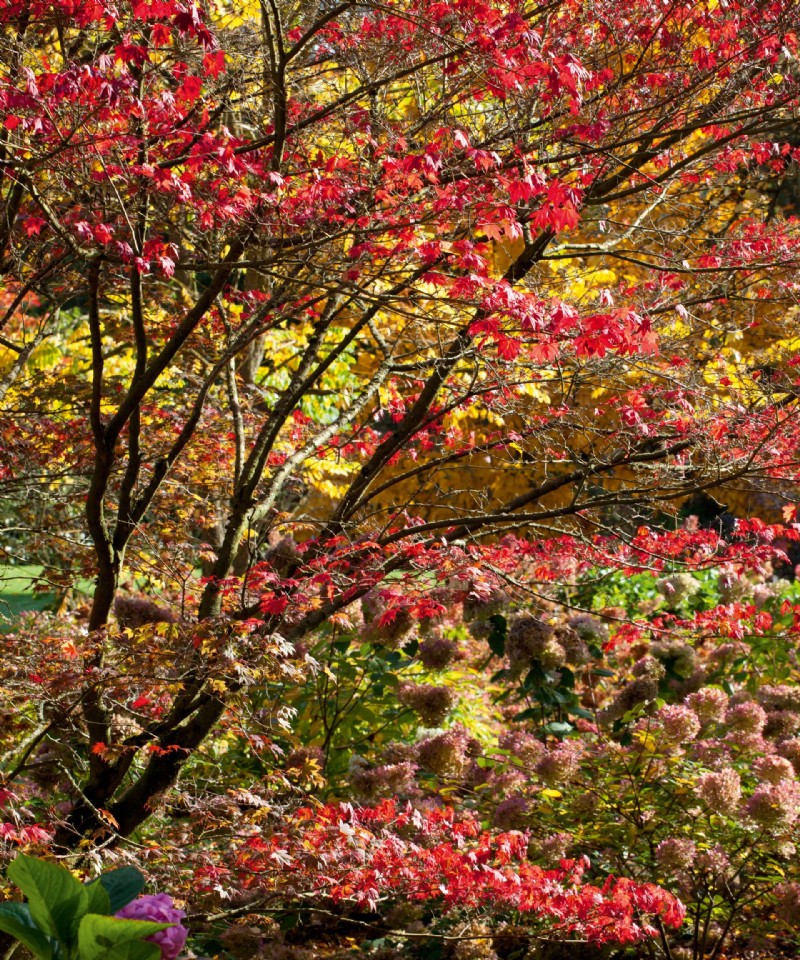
122	886
15	919
497	638
135	950
109	938
99	899
55	897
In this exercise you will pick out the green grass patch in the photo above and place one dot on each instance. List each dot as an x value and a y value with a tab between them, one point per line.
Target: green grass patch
18	593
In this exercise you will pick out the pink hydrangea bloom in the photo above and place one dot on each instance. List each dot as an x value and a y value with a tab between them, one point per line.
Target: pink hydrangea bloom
511	814
561	763
774	769
680	724
159	908
709	704
746	717
721	790
791	750
787	907
775	806
676	854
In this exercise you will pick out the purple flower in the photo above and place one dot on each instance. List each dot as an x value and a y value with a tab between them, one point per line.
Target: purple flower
159	908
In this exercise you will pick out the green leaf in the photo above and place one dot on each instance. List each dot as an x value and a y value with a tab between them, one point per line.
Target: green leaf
497	638
528	714
561	696
136	950
122	886
110	938
55	898
99	901
534	677
15	919
580	712
559	728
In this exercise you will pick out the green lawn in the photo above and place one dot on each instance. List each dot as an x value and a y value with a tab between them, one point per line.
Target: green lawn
17	595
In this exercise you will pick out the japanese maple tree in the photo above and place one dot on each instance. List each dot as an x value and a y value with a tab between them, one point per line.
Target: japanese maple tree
413	300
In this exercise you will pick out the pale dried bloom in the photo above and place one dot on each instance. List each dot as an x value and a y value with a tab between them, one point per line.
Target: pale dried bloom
711	752
679	724
677	587
135	612
787	903
726	653
720	790
560	763
773	769
476	776
677	656
676	854
388	780
714	861
386	626
372	606
791	750
431	704
395	752
779	697
709	704
763	593
589	628
503	780
572	643
531	640
748	743
511	814
555	846
522	746
732	587
481	607
436	653
649	667
640	690
476	945
781	724
480	629
775	806
444	754
748	718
